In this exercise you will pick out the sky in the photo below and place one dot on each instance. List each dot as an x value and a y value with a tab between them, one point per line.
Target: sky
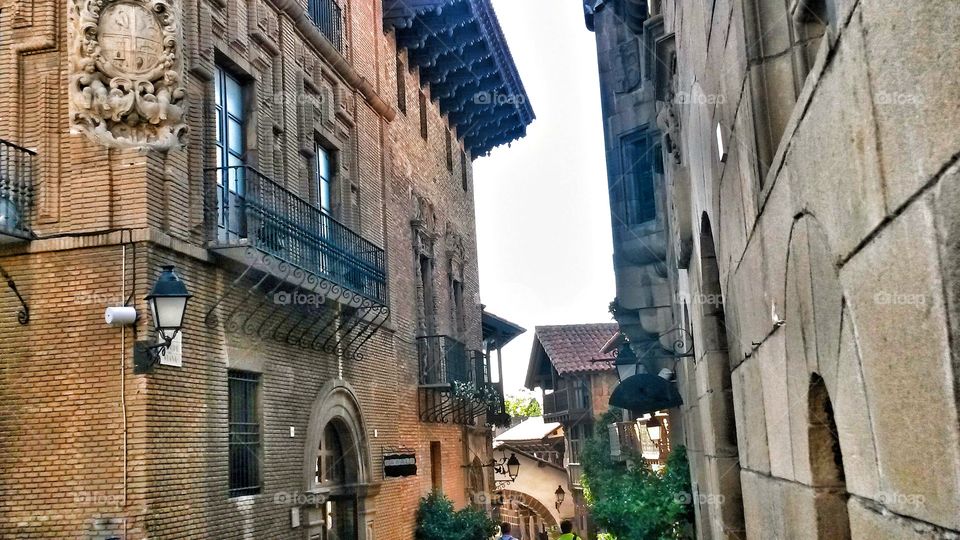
543	216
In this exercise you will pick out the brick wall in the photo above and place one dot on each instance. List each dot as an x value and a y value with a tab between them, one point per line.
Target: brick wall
65	470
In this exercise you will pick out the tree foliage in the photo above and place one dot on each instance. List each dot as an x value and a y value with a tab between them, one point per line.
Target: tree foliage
437	520
523	406
633	501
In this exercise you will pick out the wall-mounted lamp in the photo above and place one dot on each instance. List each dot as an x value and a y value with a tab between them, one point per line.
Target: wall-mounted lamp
561	494
654	429
168	303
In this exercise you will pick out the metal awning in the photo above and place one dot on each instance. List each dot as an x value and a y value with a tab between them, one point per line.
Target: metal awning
646	393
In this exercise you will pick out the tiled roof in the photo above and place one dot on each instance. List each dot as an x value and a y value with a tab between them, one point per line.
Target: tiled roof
576	348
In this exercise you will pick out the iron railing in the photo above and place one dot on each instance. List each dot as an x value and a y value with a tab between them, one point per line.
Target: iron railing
256	211
443	361
327	15
16	189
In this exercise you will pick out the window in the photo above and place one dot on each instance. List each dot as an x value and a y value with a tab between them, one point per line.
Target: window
337	469
327	16
323	177
426	286
423	115
581	395
244	433
449	151
638	194
401	86
231	148
436	466
463	169
458	312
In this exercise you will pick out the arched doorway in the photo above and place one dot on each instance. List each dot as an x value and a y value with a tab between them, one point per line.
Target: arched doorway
336	468
720	512
826	464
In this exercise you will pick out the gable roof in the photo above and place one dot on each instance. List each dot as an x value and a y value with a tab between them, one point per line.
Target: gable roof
572	348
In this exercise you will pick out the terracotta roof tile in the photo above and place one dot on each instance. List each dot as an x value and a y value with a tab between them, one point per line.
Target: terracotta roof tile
576	348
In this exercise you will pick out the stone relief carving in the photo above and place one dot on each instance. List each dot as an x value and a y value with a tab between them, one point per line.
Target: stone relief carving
126	73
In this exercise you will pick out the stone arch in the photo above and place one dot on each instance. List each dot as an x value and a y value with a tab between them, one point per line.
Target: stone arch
721	460
336	402
535	505
336	411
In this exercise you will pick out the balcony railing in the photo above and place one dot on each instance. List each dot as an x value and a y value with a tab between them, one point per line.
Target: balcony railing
575	470
254	211
443	361
16	191
327	15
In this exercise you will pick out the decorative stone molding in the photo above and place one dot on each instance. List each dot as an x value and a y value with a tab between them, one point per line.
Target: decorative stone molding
126	73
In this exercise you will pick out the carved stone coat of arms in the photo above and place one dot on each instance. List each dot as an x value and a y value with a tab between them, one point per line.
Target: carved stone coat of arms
125	72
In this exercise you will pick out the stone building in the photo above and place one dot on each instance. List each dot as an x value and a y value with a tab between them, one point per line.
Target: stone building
784	190
306	167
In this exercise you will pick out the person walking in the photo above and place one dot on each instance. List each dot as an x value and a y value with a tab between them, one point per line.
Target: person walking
566	530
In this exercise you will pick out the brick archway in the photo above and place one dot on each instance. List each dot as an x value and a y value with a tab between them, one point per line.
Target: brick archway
513	499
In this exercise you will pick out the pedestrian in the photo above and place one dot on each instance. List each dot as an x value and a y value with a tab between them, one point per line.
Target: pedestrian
505	531
566	528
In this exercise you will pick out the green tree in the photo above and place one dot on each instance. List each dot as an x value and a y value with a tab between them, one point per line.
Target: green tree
632	500
524	406
437	520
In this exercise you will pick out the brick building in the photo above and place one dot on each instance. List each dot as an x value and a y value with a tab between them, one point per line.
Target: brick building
783	187
306	166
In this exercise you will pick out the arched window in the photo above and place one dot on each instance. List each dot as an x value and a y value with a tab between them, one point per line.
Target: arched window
336	457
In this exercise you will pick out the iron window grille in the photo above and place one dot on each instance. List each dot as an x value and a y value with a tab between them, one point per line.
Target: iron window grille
327	16
244	438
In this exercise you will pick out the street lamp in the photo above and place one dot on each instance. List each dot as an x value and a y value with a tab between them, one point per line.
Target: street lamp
513	467
627	362
168	303
654	429
560	493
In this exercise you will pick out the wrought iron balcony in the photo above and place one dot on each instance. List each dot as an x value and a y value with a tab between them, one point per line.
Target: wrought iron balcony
327	15
443	361
16	192
256	212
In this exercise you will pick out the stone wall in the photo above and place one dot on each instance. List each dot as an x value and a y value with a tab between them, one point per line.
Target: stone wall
89	449
813	257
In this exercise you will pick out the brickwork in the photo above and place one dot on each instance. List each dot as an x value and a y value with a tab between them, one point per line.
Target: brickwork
88	449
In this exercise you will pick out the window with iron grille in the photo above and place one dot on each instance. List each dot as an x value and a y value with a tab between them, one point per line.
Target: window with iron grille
244	438
423	115
401	86
327	16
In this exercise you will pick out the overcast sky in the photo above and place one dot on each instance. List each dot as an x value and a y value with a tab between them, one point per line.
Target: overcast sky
543	221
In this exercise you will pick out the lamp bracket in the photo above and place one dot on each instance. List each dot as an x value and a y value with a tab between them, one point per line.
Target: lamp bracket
23	316
146	355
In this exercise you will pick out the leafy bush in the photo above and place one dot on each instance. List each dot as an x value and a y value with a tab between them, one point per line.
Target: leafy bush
634	501
523	406
437	520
